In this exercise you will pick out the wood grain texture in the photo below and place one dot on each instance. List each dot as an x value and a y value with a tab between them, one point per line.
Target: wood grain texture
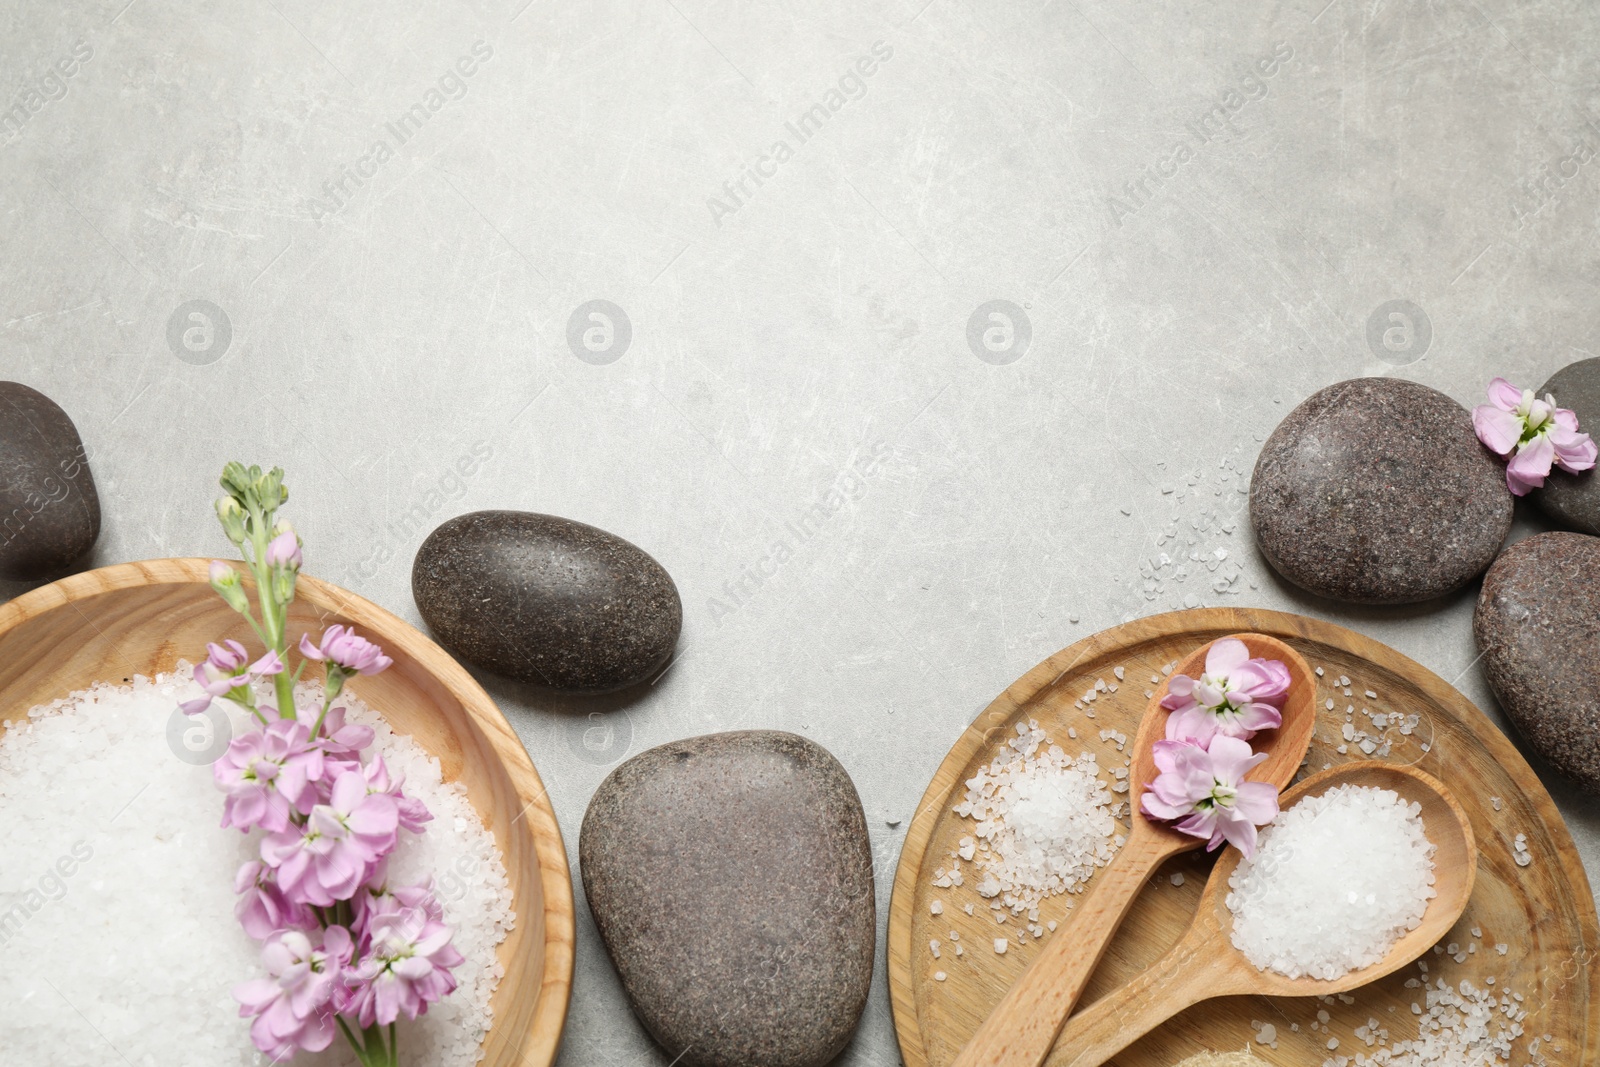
141	618
1022	1028
1544	912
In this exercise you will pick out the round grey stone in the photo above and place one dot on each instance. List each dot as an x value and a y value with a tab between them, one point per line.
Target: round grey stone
547	600
1573	500
1537	625
730	877
49	509
1377	491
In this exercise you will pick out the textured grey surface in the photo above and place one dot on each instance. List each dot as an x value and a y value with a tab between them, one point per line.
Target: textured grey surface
1538	624
547	600
1573	500
731	878
1377	491
798	373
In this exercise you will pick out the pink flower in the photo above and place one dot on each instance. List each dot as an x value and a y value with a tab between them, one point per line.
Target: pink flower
292	1005
262	909
223	670
351	654
1204	789
284	550
413	812
266	773
377	897
1535	433
329	858
1234	697
340	740
405	967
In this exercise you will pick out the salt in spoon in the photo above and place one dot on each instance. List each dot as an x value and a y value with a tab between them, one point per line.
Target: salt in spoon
1205	964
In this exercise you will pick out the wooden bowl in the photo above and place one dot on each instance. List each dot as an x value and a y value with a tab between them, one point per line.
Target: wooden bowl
111	623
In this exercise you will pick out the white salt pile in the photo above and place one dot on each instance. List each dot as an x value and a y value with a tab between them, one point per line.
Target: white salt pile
1336	880
1043	820
118	942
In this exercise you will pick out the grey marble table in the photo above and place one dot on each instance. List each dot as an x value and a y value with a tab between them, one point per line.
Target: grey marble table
1051	270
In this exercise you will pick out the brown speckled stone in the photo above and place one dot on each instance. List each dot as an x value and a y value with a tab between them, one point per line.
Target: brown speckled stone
1376	490
1538	627
731	879
49	510
1573	500
547	600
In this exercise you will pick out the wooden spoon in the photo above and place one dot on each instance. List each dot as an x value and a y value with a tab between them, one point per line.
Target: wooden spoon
1204	963
1022	1028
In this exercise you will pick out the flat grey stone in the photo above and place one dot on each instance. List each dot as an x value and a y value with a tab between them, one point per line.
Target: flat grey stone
49	510
1573	500
1377	491
730	876
547	600
1537	625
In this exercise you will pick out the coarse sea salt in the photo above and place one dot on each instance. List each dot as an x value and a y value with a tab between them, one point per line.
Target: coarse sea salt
1043	821
1336	880
1461	1026
130	957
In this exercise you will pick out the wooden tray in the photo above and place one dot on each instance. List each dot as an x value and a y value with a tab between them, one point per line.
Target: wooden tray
1543	911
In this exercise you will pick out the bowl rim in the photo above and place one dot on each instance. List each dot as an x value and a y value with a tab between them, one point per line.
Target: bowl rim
555	983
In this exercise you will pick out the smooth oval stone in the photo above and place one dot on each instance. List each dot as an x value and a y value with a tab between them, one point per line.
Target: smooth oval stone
731	879
547	600
49	510
1537	624
1377	491
1573	500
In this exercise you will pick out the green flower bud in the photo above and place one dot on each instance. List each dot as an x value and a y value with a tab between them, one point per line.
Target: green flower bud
283	585
233	519
269	488
225	580
236	479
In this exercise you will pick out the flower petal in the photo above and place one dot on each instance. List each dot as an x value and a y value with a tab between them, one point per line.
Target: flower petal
1530	466
1225	655
1240	832
1500	430
1504	395
1575	451
1256	716
1232	759
1257	801
1193	724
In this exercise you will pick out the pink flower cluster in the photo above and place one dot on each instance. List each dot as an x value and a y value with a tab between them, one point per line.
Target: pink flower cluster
338	939
1201	786
1534	433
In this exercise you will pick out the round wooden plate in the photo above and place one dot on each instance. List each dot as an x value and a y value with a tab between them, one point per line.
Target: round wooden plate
1542	911
111	623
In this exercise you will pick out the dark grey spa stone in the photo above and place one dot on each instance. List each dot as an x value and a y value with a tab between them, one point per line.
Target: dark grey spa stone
547	600
730	877
1573	500
1538	628
49	510
1377	491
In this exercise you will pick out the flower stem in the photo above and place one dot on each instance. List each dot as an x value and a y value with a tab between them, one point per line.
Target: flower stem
273	620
